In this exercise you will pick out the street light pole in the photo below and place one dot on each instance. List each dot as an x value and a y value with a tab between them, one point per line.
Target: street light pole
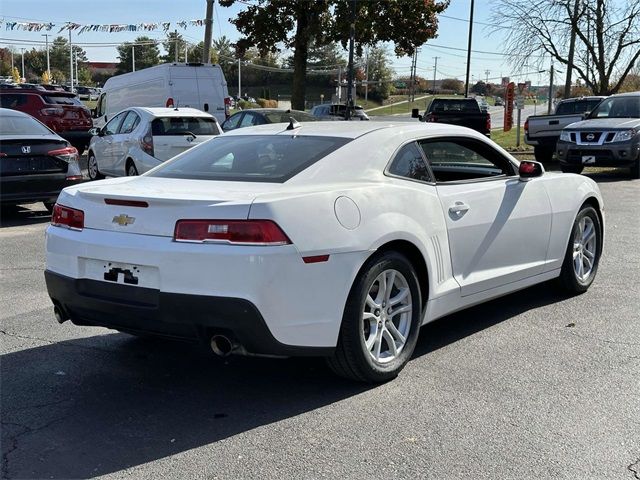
46	39
133	58
71	60
352	35
466	90
23	77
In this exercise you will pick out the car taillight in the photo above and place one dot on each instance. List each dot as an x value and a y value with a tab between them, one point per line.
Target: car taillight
488	122
169	103
227	107
69	155
526	126
67	217
241	232
146	144
52	111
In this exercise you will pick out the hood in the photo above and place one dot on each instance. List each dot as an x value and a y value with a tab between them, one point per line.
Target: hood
606	124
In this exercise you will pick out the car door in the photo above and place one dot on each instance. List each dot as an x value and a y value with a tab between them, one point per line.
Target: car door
498	225
104	147
123	141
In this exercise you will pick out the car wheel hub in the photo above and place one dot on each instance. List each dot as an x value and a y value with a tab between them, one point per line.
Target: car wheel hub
386	316
584	249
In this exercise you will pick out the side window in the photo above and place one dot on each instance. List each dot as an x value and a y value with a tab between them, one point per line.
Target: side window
101	107
112	127
129	123
12	100
247	120
459	159
232	122
409	163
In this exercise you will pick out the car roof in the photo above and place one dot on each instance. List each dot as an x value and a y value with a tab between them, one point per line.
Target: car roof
627	94
8	112
351	129
271	110
172	112
577	99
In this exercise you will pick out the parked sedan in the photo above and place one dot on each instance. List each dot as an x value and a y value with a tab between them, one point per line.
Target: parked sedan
262	116
35	163
138	139
331	239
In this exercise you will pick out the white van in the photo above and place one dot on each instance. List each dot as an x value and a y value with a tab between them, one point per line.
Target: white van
194	85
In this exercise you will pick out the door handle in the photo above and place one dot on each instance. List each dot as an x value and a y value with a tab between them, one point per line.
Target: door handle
458	209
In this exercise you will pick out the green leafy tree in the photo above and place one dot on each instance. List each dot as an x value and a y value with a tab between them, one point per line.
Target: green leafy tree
147	55
174	39
223	50
84	77
380	73
58	76
452	85
59	54
270	24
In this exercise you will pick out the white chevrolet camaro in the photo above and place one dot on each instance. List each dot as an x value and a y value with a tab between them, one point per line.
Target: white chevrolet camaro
337	239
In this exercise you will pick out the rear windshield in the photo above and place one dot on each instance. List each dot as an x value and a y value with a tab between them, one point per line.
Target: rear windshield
14	125
184	125
250	158
61	100
578	107
284	117
469	105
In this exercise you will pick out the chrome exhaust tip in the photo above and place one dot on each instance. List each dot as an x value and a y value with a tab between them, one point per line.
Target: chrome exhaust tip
222	346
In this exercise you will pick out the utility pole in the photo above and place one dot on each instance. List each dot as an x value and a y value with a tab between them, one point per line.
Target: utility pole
71	59
133	58
339	84
412	88
76	64
22	75
550	89
208	29
176	47
572	44
487	72
466	89
366	77
46	39
435	70
239	82
352	36
186	52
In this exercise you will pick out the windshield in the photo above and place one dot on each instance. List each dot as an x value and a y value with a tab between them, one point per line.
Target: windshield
250	158
184	125
285	117
61	100
618	107
576	107
14	125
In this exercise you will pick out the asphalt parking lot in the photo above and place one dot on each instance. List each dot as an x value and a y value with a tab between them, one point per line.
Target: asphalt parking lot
534	385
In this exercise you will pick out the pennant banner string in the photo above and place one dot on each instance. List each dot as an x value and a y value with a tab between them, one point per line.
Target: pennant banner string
102	27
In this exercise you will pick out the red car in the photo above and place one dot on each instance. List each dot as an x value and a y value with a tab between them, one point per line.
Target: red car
62	112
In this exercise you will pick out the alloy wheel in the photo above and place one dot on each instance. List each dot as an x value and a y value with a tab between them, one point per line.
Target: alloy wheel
584	248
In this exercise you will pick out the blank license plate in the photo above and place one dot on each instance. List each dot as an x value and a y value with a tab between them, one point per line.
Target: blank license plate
588	159
122	273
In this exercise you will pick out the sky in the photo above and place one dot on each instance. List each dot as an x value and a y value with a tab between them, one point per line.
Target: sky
450	45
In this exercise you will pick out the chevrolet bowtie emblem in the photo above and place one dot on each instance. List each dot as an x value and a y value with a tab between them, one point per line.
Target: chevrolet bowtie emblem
123	219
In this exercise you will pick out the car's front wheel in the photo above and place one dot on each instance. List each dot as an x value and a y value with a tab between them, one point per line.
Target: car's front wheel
635	168
571	168
583	252
92	167
381	321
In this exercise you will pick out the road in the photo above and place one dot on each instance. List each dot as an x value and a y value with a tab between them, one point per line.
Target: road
533	385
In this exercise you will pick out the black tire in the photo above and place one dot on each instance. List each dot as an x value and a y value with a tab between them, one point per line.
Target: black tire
132	171
572	168
635	169
569	279
543	154
93	174
352	359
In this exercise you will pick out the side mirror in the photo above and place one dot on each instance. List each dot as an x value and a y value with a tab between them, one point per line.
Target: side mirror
529	169
415	113
94	131
585	115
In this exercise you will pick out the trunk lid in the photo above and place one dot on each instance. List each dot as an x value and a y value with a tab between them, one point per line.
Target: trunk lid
30	156
168	200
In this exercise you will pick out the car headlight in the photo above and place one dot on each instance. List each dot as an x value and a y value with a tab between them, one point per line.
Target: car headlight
565	136
624	135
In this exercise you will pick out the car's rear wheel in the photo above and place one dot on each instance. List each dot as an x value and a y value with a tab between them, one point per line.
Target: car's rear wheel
92	167
583	252
381	321
543	154
635	169
132	171
571	168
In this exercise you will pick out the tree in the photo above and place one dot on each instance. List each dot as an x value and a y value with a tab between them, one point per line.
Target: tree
270	24
174	39
59	54
45	78
452	84
381	73
15	74
58	76
84	76
606	34
147	54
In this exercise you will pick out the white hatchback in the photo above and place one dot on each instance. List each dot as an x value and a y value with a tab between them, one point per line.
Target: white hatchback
138	139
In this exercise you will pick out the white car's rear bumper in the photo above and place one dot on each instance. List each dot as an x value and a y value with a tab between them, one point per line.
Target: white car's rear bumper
266	297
